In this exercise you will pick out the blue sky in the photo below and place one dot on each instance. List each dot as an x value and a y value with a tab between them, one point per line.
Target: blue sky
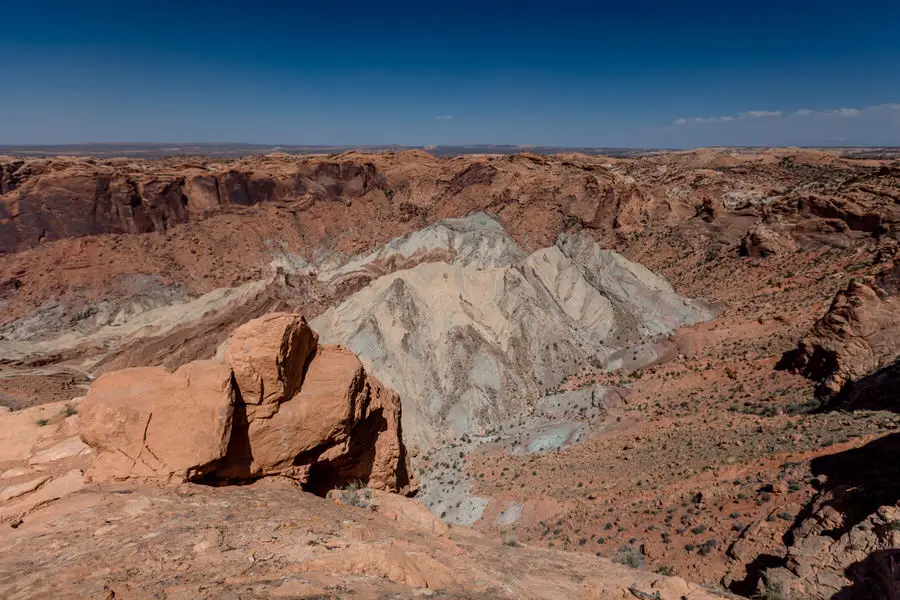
639	73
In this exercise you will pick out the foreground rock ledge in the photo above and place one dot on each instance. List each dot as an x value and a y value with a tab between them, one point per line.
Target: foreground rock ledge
277	404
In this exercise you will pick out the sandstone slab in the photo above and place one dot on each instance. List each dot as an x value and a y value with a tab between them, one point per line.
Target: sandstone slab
67	448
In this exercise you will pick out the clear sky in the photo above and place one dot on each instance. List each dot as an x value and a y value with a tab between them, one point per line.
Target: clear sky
629	73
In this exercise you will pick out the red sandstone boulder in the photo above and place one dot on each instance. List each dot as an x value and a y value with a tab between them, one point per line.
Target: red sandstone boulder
306	412
146	422
341	426
320	415
268	356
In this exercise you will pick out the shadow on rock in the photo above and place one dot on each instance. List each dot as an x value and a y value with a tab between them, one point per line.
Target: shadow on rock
860	480
748	586
878	391
877	577
848	515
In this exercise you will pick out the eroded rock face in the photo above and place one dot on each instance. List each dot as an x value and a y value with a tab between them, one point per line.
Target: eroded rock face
341	426
268	356
61	198
149	423
861	562
858	335
475	341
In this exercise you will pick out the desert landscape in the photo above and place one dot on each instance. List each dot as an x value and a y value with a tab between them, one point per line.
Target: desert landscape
395	373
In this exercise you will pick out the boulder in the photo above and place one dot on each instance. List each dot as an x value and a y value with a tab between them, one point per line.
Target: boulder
761	241
320	415
373	451
341	426
269	355
147	422
857	336
280	406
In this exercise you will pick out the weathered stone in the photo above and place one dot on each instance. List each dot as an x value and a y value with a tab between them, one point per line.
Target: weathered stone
147	422
856	337
762	241
65	449
322	413
341	426
269	355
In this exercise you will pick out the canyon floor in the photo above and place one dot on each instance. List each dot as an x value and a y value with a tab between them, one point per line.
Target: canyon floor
617	374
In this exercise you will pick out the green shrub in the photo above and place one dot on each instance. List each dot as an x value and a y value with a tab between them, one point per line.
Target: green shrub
630	557
771	591
357	494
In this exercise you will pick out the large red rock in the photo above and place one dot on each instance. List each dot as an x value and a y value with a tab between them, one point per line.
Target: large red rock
306	412
147	422
320	415
341	426
857	336
268	356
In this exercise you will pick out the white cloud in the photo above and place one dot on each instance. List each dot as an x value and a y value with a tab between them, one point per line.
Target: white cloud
753	114
703	120
760	114
444	117
849	113
867	125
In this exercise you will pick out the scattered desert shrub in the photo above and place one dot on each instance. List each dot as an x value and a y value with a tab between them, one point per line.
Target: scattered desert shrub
356	493
630	557
771	591
708	546
508	538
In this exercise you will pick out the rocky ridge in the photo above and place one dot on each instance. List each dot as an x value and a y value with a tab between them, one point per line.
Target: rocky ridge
856	337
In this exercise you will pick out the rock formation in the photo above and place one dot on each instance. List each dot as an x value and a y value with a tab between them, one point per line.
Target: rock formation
762	241
847	544
146	422
269	356
821	564
278	405
60	198
857	336
474	334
